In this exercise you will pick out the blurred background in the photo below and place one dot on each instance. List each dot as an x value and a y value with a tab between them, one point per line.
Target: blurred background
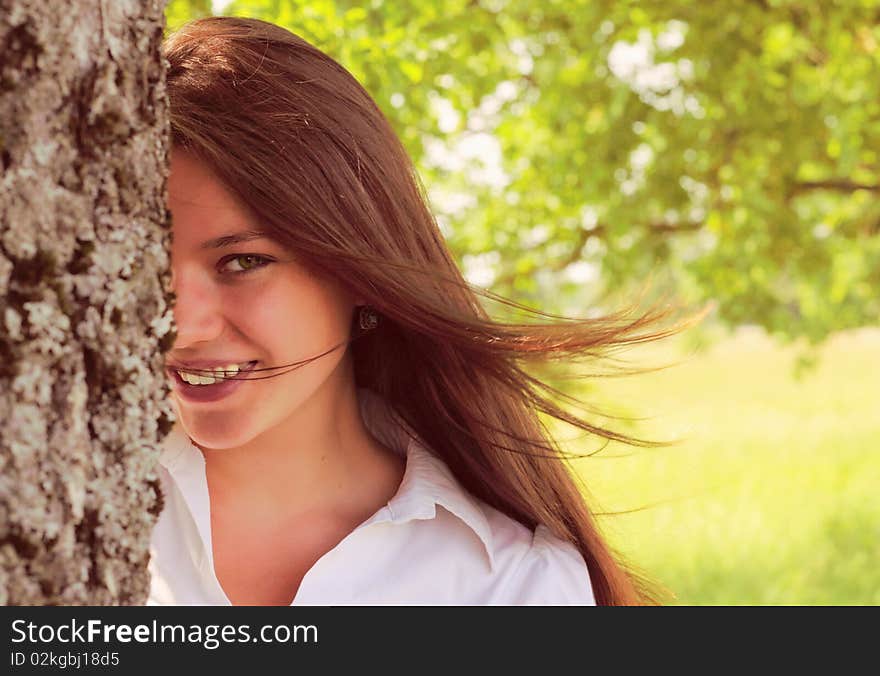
724	155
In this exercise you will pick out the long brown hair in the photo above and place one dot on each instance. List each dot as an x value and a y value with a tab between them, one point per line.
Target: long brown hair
305	147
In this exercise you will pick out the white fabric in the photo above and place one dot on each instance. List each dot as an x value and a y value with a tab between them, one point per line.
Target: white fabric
432	543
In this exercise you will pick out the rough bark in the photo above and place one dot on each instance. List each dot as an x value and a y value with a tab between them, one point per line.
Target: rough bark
85	302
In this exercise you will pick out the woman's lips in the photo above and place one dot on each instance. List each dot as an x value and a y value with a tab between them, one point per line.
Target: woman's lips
207	365
208	393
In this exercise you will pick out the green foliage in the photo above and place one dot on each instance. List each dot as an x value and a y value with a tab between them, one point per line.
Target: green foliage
178	12
730	152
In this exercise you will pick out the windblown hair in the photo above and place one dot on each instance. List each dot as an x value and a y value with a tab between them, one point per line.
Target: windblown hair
303	145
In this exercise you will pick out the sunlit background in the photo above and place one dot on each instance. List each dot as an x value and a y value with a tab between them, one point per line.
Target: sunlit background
574	151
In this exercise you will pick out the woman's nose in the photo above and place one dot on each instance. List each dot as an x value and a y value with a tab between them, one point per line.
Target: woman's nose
197	310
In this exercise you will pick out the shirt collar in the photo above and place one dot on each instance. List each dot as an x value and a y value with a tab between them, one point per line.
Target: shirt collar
427	480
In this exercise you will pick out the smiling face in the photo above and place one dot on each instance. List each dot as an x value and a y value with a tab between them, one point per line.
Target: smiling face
241	302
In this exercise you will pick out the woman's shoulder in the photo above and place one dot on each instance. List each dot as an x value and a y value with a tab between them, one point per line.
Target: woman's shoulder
536	567
490	557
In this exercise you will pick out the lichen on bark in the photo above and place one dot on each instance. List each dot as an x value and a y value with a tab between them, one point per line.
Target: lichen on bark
85	299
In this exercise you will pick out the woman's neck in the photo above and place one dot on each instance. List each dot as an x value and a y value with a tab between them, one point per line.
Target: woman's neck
320	460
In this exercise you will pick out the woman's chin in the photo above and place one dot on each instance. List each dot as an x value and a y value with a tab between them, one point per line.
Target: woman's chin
215	431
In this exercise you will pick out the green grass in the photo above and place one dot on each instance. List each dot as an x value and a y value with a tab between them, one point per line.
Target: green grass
772	495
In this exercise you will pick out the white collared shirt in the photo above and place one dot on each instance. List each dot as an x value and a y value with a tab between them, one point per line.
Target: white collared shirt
432	544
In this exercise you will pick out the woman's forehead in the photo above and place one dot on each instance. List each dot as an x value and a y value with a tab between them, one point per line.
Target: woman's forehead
198	199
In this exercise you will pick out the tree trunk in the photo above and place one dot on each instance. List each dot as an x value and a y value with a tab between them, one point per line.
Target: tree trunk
85	301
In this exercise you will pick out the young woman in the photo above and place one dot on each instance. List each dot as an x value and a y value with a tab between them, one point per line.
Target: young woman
352	425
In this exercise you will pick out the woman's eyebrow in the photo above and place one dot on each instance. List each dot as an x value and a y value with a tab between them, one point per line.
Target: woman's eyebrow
234	238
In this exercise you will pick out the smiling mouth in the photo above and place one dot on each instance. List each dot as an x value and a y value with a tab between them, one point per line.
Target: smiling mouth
206	377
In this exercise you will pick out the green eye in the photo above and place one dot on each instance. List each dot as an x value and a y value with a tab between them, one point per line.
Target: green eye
246	263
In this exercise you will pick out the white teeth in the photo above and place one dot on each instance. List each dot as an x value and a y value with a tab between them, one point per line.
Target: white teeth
196	379
219	374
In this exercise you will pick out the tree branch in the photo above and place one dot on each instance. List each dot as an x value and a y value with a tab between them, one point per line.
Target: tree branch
838	184
656	228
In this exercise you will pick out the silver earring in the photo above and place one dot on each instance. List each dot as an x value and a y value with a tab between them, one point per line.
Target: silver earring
368	319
